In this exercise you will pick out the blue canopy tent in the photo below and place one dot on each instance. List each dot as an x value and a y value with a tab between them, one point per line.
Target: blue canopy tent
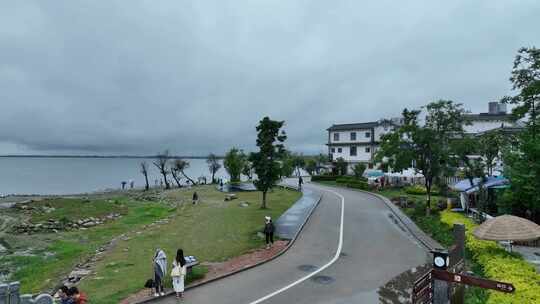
466	188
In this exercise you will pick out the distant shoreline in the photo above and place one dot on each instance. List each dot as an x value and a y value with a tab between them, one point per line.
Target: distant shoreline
100	156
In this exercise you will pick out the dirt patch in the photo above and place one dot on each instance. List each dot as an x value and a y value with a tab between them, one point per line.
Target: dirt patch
216	270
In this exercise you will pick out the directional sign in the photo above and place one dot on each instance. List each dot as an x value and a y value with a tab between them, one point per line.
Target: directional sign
470	280
423	289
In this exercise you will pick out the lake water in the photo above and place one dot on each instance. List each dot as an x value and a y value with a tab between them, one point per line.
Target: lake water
79	175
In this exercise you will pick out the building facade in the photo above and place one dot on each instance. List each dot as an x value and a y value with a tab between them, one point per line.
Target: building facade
495	118
357	142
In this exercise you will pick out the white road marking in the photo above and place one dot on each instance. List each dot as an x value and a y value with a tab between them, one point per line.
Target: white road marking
332	261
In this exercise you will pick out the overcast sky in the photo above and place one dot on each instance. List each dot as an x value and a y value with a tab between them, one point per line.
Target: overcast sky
196	76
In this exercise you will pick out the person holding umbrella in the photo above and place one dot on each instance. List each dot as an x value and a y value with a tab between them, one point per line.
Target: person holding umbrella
160	269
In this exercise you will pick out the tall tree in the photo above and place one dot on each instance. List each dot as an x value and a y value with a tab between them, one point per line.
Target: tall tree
358	169
340	166
174	173
522	162
311	166
321	160
526	80
213	165
490	146
425	147
247	170
161	163
234	162
270	140
144	171
181	166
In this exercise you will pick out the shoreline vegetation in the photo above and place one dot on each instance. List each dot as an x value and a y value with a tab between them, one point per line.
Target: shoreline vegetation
102	156
118	252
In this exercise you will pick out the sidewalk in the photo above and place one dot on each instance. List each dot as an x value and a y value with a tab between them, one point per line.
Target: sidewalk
291	222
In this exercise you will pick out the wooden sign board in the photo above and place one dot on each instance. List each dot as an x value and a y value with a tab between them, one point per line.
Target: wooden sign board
473	281
423	289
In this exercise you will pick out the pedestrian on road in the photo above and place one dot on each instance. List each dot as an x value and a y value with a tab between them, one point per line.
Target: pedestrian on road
195	198
300	182
160	269
178	273
269	231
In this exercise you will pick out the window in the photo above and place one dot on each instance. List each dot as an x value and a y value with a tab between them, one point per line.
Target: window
353	151
353	136
368	134
339	150
333	150
336	136
368	150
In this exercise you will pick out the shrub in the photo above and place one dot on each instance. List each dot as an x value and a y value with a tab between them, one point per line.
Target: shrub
358	185
320	178
420	190
500	265
345	179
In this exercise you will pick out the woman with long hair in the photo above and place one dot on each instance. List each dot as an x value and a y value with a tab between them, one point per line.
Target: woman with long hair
178	273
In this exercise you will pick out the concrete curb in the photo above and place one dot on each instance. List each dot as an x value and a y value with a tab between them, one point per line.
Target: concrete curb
289	245
412	228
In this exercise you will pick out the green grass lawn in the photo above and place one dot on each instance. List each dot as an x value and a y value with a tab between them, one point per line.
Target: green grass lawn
54	255
213	230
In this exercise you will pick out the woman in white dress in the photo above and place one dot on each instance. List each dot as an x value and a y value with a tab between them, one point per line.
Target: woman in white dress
178	273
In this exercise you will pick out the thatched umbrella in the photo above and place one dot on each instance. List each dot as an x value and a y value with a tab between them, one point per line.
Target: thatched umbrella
507	228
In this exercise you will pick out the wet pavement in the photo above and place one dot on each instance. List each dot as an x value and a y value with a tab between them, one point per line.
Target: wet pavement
290	223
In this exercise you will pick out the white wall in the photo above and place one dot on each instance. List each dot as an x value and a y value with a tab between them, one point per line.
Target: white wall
485	125
379	131
361	154
345	136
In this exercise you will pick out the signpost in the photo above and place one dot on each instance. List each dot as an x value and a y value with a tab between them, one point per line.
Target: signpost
473	281
423	289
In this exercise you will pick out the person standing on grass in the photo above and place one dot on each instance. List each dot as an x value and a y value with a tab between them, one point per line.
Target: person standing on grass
76	296
269	231
178	273
195	198
123	185
160	269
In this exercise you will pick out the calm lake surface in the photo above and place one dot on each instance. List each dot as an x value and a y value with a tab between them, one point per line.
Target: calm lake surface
22	175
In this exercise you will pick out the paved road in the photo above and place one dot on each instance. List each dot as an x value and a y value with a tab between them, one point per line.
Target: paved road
373	251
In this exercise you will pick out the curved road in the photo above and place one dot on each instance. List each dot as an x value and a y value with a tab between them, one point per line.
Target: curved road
372	251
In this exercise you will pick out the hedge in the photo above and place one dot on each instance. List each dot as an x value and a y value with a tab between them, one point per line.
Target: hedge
358	185
500	265
321	178
420	190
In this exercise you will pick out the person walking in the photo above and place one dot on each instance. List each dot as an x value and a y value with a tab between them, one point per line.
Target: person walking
195	198
269	231
300	183
160	269
178	273
124	185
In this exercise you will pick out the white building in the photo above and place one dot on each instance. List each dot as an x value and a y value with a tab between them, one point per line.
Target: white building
495	118
357	142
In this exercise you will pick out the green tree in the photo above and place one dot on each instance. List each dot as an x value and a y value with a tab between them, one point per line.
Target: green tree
425	147
359	169
234	162
298	163
270	140
181	165
311	166
213	165
522	161
340	166
321	160
490	146
248	167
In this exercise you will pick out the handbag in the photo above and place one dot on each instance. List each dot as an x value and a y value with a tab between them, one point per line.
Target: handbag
176	272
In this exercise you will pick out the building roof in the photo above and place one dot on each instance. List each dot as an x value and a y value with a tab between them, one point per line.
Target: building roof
353	126
487	116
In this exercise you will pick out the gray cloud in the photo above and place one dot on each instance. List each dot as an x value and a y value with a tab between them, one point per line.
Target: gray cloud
195	77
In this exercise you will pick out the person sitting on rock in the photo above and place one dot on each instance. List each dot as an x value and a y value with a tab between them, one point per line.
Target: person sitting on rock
77	296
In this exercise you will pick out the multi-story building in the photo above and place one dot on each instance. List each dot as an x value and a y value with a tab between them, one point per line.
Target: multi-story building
495	118
357	142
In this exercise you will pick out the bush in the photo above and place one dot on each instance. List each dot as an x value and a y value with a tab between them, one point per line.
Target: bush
321	178
500	265
358	185
345	179
420	190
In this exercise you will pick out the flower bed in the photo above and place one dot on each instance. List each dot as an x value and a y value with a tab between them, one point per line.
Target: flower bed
500	265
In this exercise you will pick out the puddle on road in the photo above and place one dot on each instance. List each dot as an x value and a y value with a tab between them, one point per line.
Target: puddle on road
308	268
325	280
